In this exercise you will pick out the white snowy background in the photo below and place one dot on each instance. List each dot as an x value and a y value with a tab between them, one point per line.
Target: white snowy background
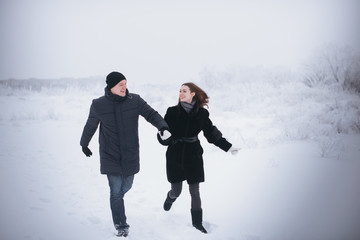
298	173
296	177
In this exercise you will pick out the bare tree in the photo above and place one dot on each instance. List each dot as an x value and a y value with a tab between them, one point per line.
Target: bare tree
334	65
352	80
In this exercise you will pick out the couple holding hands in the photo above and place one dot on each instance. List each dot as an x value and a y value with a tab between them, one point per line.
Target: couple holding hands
117	113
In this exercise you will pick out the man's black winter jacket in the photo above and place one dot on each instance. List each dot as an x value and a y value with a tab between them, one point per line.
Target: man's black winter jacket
118	137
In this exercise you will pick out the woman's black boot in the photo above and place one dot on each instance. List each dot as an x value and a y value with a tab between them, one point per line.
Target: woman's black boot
168	202
196	216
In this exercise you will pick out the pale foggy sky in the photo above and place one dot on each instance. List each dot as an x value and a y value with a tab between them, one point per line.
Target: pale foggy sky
164	40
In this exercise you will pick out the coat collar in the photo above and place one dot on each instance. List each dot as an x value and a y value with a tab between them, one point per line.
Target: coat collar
114	97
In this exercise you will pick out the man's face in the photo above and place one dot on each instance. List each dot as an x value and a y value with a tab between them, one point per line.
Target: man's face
120	88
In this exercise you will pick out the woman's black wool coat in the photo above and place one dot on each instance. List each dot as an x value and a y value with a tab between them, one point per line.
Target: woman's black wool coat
184	159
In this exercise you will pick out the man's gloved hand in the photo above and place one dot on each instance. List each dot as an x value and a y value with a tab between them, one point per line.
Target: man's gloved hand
164	134
86	151
234	150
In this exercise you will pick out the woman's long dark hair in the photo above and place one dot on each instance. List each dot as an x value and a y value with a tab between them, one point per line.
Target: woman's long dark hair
202	99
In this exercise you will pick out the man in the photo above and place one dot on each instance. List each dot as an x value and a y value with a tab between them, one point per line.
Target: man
118	112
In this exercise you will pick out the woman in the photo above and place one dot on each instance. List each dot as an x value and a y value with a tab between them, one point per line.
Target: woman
184	153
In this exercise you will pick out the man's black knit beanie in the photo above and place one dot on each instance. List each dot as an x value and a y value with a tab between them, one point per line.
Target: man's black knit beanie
114	78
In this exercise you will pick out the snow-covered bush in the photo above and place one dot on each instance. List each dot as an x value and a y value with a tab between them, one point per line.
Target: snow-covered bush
272	105
333	66
330	146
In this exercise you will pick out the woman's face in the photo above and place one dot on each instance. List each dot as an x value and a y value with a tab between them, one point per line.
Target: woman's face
120	88
185	94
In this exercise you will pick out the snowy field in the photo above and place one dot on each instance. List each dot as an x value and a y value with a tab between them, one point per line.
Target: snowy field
297	176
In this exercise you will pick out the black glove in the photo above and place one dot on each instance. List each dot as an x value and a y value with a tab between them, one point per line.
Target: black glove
86	151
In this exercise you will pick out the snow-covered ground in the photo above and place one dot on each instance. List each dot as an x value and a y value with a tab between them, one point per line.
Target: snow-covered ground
296	177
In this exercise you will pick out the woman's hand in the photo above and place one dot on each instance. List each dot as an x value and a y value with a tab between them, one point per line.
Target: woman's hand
234	150
164	135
